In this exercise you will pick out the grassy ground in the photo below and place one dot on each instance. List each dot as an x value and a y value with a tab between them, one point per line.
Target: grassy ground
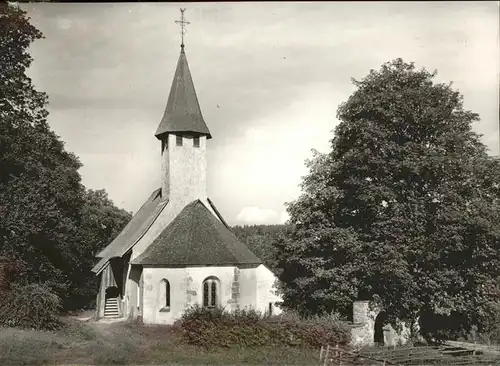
90	343
125	343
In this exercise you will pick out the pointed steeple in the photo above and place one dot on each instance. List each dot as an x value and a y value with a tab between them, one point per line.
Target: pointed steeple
183	113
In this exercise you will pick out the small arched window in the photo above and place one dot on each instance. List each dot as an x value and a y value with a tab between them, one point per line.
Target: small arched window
210	292
164	299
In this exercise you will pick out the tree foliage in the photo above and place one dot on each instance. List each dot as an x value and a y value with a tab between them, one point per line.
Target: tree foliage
260	240
40	189
405	206
33	307
48	224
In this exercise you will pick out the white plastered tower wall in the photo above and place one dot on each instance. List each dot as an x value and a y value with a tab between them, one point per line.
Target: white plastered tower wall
184	168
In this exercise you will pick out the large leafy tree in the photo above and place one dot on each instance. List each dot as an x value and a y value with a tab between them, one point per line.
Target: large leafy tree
40	189
50	226
404	206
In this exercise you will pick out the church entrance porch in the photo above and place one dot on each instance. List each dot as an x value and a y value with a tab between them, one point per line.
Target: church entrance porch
109	299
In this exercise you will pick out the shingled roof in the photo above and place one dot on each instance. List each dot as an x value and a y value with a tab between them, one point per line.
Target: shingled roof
133	231
183	113
196	237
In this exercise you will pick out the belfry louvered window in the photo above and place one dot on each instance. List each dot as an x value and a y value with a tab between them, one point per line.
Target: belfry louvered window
164	144
196	141
178	140
210	292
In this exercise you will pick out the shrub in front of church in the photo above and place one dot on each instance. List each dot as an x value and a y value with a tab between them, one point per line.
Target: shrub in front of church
213	328
315	331
30	307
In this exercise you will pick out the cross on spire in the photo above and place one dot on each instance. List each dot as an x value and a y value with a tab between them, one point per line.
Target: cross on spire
183	22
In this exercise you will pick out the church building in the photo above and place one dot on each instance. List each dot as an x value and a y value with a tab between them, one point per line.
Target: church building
177	250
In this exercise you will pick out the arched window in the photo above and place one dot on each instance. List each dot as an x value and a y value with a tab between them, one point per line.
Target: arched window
210	292
164	299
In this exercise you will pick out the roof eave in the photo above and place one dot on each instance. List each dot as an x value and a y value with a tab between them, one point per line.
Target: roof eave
217	212
183	265
103	253
99	268
159	134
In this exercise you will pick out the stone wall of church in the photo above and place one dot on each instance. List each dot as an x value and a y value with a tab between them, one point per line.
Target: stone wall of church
238	288
248	288
132	298
152	312
186	289
266	291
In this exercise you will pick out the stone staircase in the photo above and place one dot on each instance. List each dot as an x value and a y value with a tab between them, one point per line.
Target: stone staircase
111	308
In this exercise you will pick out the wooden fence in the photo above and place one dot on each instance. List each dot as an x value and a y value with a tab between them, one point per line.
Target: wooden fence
425	355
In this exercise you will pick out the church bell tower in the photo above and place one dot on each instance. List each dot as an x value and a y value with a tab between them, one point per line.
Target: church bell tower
183	134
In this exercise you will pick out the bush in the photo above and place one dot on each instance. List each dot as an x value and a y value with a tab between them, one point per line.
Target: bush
30	307
491	334
248	328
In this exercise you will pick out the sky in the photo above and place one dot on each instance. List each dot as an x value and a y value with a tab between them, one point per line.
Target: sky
269	78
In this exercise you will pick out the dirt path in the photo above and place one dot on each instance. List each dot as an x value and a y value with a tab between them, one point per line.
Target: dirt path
106	329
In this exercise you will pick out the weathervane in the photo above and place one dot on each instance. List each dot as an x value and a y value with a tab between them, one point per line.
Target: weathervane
183	24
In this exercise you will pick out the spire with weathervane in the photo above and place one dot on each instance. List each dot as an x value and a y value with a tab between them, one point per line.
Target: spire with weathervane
183	22
183	113
183	134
